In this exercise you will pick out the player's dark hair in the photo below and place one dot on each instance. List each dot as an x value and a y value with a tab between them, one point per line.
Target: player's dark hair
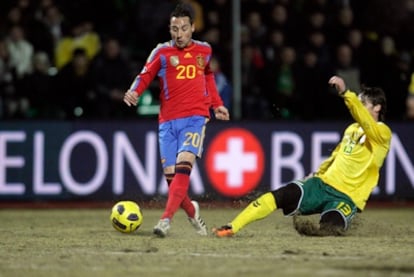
377	97
183	10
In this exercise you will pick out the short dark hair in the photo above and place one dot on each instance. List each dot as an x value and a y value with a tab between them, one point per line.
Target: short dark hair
183	10
377	97
79	52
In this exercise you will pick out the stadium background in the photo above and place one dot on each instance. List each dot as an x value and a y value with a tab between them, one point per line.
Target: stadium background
65	64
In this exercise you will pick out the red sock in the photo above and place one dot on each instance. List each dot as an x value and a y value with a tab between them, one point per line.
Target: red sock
186	205
176	194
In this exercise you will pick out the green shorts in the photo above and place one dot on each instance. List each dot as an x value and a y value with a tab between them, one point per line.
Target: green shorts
318	197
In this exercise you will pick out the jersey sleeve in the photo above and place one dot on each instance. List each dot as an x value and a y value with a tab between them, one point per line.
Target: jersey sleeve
379	133
216	100
148	72
211	86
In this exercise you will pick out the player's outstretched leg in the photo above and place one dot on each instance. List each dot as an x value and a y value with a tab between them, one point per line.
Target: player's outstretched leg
186	204
197	222
256	210
177	192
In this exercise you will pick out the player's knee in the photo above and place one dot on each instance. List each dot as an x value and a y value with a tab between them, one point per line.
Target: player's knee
333	221
169	177
183	167
287	197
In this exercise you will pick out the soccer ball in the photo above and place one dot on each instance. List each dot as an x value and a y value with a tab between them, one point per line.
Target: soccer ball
126	216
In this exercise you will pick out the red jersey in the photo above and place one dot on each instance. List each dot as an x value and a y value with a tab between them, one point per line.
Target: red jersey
186	82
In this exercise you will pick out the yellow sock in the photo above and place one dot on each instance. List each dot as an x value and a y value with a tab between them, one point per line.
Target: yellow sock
258	209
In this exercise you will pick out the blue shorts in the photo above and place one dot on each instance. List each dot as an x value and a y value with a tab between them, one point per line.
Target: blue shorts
178	135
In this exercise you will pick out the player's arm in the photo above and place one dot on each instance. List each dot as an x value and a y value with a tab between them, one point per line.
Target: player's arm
143	79
220	111
374	131
379	133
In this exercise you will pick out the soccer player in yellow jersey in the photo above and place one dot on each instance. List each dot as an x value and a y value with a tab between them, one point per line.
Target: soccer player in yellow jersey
343	183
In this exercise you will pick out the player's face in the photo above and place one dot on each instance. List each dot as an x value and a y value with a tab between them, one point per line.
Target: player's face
181	31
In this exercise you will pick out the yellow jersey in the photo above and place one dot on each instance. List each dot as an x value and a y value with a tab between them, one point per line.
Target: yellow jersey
354	166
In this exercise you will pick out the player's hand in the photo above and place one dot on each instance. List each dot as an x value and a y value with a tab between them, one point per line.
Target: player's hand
338	83
222	113
131	98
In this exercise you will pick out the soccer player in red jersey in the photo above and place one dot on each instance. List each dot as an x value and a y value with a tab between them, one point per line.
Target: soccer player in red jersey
187	93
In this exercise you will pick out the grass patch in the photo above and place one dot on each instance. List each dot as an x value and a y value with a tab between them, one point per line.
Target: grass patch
82	242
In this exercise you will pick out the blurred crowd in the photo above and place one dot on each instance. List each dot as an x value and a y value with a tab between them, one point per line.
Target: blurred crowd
68	60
